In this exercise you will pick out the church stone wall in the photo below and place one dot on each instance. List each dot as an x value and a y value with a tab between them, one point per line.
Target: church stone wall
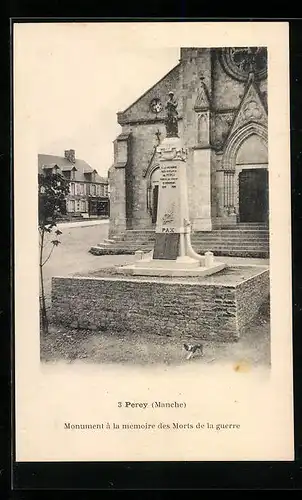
220	126
193	69
204	132
227	92
143	143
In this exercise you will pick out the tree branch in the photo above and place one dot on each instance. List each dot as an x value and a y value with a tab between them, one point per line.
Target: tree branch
49	255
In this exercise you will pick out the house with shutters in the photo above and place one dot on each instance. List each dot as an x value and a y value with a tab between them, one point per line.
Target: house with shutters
222	121
88	194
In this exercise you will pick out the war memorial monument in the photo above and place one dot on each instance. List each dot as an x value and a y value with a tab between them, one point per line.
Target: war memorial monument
171	290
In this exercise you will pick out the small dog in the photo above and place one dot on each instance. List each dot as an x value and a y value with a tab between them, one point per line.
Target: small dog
192	349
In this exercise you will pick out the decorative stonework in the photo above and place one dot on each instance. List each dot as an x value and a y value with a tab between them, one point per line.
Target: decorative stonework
251	109
202	102
156	105
172	154
239	62
169	215
237	138
203	132
148	172
221	124
251	119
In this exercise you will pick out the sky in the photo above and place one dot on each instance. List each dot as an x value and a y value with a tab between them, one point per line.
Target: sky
81	80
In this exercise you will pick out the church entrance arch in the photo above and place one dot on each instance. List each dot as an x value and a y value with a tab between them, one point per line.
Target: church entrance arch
253	195
251	177
153	189
246	165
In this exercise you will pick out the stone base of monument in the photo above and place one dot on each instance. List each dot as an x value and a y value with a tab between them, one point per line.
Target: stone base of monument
217	307
182	266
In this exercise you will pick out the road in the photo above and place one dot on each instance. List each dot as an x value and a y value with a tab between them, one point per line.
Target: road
84	223
72	255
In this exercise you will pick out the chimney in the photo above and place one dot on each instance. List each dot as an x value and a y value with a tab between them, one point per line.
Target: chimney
70	155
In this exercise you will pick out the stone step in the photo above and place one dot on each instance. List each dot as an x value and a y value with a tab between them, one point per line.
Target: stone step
256	242
199	248
215	249
261	254
230	236
221	241
242	226
245	226
245	240
228	242
205	244
231	240
113	250
229	230
124	245
223	232
197	241
257	253
131	235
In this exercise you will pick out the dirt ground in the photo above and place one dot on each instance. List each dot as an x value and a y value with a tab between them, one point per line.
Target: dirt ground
70	345
72	257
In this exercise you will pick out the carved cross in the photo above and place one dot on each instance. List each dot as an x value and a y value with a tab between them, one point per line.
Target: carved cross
158	134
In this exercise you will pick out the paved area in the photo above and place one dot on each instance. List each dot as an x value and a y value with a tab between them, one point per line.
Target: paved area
82	223
244	261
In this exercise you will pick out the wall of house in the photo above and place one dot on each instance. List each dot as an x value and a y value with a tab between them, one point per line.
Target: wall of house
77	201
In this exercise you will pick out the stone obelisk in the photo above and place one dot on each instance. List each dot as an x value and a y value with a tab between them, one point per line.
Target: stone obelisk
173	254
172	212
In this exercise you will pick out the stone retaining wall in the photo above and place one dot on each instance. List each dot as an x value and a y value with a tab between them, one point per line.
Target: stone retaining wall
136	306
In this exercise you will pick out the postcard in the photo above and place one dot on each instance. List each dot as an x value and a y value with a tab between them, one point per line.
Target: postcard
152	231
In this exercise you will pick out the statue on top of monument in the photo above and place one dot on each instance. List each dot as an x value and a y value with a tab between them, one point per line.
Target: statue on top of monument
172	116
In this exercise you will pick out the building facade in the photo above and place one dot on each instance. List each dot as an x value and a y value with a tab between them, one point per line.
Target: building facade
88	194
222	120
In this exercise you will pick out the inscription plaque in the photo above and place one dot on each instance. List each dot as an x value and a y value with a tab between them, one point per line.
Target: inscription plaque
166	246
169	216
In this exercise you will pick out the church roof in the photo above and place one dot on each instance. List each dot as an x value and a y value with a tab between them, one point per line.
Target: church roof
140	109
151	88
80	167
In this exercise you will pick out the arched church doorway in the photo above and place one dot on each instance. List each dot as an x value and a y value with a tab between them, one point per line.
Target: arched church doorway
154	203
153	194
251	177
253	195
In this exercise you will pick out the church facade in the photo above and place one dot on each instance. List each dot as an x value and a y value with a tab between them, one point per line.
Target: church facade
222	116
